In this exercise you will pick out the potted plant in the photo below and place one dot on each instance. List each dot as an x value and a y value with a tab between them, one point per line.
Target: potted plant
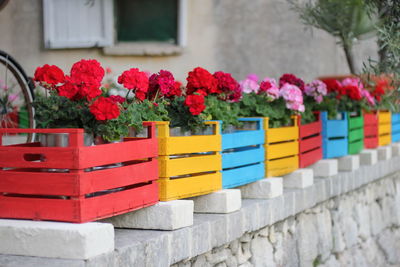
82	191
344	135
190	144
384	114
310	124
279	105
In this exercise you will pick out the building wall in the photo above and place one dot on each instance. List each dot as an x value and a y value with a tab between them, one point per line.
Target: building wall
22	36
260	36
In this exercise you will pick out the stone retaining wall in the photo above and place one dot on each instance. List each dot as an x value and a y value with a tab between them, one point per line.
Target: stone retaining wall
360	228
348	219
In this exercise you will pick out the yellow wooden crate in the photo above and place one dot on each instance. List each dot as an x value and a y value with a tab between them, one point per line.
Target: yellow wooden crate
171	189
279	167
384	128
188	165
281	148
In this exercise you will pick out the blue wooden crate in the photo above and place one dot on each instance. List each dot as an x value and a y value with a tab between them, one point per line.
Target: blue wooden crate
395	127
334	136
243	155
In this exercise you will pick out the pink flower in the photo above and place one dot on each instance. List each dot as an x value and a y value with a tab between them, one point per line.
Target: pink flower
316	89
353	82
12	97
248	86
368	96
293	97
269	87
252	76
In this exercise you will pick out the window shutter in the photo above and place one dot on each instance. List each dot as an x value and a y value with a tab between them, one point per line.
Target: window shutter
77	23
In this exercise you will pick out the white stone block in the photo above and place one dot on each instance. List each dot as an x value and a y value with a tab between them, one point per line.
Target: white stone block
349	163
368	157
384	152
395	149
223	201
264	188
300	178
325	168
168	215
55	239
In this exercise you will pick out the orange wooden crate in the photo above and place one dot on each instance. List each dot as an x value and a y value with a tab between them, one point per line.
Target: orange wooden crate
77	195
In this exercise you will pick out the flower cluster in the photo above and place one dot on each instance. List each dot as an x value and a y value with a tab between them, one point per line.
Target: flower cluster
228	87
105	108
163	83
268	86
136	81
293	97
201	81
83	84
250	84
288	78
317	89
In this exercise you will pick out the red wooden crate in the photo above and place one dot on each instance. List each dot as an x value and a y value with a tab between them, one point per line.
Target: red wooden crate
371	136
29	191
310	142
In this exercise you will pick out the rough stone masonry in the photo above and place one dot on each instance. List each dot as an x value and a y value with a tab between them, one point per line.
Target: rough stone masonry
360	228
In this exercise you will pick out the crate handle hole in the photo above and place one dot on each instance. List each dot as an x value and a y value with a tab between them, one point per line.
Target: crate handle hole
34	157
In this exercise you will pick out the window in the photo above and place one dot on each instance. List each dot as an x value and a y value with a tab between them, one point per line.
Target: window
160	22
122	27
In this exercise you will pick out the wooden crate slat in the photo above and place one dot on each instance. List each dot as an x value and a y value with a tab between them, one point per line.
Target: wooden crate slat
309	158
279	167
245	157
281	150
243	175
310	144
76	184
119	202
189	165
335	148
171	189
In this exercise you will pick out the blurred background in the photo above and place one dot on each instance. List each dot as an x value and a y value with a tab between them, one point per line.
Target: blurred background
265	37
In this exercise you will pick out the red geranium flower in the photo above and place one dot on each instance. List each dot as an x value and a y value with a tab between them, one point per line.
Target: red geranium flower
228	87
200	78
164	82
195	103
87	71
176	91
104	109
381	86
68	90
49	74
353	92
291	79
135	80
117	98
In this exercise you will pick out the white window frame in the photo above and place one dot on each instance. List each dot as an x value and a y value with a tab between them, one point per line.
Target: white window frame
109	41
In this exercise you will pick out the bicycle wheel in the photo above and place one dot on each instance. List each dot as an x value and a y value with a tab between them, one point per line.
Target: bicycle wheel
16	97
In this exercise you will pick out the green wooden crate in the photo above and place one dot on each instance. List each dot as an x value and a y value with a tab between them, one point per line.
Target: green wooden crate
356	133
